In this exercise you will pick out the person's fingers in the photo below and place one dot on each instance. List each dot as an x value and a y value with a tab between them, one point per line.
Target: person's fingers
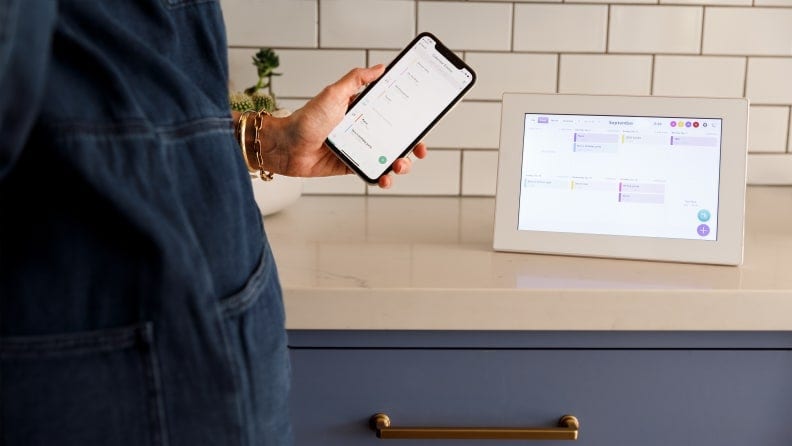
385	182
351	83
402	166
420	150
368	75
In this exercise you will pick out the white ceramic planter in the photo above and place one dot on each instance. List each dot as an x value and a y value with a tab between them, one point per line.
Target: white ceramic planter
272	196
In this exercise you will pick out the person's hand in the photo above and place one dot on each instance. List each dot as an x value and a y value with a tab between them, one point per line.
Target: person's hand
294	146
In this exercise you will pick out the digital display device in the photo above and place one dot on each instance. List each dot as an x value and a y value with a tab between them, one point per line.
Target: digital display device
392	114
621	175
636	177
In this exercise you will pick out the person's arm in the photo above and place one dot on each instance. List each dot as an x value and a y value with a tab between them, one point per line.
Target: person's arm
26	29
294	145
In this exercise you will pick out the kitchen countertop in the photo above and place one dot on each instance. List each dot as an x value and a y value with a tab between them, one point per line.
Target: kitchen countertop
426	263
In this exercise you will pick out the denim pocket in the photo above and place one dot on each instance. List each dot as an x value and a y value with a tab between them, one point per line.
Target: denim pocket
91	388
253	323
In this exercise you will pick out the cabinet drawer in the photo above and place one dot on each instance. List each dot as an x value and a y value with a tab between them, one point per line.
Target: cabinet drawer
630	397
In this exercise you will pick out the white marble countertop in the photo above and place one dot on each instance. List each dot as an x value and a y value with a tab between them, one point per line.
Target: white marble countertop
415	263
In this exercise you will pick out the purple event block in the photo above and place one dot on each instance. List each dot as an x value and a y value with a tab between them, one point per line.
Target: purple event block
644	188
597	137
702	141
642	198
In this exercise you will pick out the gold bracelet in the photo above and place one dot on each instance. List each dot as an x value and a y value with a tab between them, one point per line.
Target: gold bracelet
257	122
252	156
240	135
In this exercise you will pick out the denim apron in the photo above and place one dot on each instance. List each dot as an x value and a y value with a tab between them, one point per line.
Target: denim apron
139	301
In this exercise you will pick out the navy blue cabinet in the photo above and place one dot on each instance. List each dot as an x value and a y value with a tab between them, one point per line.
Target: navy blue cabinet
626	388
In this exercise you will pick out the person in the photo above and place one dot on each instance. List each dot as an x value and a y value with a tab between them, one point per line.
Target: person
139	299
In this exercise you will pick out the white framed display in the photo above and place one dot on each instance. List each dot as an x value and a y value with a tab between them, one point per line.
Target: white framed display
636	177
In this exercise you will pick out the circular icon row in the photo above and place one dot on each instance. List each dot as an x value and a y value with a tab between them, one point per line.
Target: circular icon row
694	124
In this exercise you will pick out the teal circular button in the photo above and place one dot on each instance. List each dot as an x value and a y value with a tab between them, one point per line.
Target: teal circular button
704	215
383	160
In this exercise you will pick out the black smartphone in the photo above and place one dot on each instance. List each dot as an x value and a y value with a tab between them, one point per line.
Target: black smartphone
393	113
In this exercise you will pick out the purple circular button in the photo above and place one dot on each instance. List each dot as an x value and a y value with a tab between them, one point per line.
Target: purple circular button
703	230
673	123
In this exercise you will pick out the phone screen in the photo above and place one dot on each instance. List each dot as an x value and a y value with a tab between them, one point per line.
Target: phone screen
395	112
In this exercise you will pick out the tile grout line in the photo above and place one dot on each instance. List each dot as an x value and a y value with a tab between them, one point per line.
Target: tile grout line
703	23
789	130
533	52
318	24
415	12
558	73
513	26
607	30
652	75
461	171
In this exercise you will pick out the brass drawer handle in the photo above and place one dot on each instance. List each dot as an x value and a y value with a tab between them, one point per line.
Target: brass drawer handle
568	428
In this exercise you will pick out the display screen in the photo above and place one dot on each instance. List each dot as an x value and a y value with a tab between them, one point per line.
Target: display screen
405	102
621	175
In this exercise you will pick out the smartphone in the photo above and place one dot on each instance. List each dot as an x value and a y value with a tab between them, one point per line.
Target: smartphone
393	113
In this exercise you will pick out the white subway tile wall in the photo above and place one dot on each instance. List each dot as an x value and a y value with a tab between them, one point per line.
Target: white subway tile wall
655	29
279	23
309	71
438	174
709	48
479	172
766	131
605	74
467	25
379	24
748	31
770	169
470	125
560	28
773	3
769	80
707	2
505	72
699	76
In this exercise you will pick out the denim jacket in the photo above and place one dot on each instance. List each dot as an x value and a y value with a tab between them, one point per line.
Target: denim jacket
139	301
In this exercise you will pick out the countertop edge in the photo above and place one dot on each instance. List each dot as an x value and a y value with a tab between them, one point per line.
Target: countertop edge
537	309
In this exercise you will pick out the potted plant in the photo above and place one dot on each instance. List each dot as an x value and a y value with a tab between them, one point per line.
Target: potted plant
271	196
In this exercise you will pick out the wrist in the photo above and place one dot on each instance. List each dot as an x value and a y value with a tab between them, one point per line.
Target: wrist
272	153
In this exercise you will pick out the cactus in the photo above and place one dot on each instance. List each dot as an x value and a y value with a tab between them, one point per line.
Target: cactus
252	98
263	101
240	102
